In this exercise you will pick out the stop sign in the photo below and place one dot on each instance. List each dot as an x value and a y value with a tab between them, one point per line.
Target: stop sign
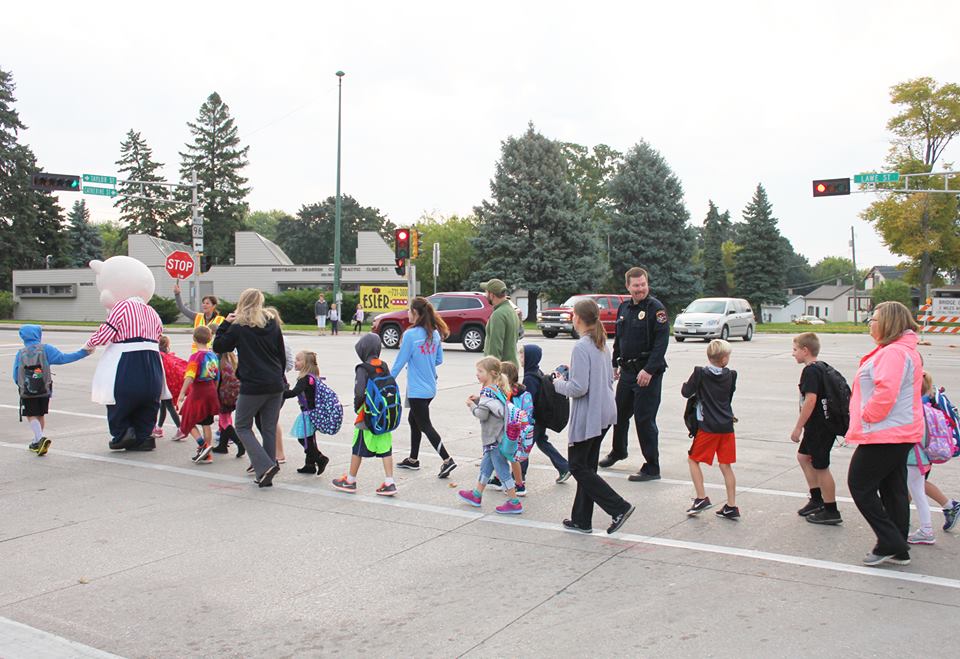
179	265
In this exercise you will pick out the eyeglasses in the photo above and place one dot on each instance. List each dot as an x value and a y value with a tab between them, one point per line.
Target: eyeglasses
872	320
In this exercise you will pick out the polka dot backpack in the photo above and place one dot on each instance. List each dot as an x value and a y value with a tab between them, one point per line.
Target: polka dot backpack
327	413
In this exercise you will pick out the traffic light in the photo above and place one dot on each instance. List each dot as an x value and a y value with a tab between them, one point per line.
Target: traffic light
831	187
401	268
416	242
401	244
51	182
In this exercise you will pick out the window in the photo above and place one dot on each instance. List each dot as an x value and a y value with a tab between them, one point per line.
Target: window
825	310
44	290
810	310
461	303
438	302
603	302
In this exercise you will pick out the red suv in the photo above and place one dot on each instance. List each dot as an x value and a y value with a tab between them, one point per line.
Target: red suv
465	314
559	319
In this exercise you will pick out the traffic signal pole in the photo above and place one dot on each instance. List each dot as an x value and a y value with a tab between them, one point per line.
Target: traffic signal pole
336	230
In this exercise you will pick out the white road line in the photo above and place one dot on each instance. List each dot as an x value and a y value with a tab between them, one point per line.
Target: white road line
88	416
755	554
18	640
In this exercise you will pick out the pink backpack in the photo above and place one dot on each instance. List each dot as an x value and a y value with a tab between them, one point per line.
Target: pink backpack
938	441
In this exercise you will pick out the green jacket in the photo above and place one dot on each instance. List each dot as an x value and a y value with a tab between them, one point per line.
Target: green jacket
503	328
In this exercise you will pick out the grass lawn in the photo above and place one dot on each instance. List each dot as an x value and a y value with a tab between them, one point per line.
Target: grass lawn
829	328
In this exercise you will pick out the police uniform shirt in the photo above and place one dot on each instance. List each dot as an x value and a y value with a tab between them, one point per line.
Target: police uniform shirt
642	328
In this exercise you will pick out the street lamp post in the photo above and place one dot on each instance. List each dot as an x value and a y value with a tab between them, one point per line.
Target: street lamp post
336	231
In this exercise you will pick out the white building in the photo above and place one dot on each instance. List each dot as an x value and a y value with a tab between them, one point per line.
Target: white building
783	313
71	293
834	303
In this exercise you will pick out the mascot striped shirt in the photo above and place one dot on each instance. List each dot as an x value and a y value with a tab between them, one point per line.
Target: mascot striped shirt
129	319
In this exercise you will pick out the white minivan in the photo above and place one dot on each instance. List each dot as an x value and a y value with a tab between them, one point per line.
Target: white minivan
715	318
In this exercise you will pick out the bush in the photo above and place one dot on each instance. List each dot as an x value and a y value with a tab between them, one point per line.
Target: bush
296	305
894	290
6	304
166	308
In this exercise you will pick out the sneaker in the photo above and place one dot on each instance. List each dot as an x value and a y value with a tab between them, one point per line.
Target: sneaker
699	505
900	559
729	512
470	497
813	506
35	446
43	447
824	516
157	432
620	519
179	437
495	484
387	490
521	489
203	453
872	559
446	468
342	485
563	477
207	460
512	507
569	524
196	456
950	516
409	463
921	537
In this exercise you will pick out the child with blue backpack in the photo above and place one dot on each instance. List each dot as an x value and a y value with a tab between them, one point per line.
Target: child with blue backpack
376	401
32	375
305	391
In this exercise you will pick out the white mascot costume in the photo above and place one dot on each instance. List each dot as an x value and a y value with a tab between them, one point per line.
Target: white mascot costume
129	378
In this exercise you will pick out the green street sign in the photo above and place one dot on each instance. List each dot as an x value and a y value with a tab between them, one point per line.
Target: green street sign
96	178
885	177
102	192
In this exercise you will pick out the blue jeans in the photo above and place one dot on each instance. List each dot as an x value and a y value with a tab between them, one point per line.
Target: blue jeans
492	460
540	439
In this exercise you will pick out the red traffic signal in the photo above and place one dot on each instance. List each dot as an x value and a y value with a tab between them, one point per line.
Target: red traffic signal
831	187
401	244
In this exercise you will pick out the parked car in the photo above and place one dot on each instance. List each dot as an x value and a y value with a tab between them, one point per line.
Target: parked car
559	319
715	318
809	320
465	314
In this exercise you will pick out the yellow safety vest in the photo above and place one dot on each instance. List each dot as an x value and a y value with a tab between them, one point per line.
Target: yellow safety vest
198	321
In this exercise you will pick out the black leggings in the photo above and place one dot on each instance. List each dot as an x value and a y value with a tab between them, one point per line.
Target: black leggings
419	418
167	406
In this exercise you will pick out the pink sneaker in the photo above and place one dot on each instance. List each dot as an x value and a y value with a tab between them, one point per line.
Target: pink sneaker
179	437
157	432
510	508
470	497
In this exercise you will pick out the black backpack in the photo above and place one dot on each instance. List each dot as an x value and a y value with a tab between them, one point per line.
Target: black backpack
835	400
550	408
690	411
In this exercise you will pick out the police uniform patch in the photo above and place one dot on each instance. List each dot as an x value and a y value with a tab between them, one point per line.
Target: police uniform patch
662	316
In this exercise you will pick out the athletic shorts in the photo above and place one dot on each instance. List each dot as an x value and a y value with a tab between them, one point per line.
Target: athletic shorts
35	406
321	321
706	445
818	447
360	448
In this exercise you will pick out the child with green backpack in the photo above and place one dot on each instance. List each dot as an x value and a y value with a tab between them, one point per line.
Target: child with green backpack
32	375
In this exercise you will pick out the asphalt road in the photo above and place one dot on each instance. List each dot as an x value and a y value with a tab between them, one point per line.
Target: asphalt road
146	554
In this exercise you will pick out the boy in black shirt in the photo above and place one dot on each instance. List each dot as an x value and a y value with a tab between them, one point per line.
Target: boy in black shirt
814	452
713	385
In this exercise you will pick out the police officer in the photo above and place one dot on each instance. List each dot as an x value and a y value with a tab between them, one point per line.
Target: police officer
639	350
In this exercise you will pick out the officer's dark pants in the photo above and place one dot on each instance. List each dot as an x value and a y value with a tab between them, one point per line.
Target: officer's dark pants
642	403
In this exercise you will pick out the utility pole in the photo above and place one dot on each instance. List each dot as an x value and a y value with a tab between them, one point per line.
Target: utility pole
336	231
197	231
436	265
853	249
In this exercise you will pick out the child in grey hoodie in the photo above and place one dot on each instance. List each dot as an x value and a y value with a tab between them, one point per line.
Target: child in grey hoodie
490	408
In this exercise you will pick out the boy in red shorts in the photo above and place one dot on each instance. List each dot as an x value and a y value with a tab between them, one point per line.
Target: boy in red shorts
713	385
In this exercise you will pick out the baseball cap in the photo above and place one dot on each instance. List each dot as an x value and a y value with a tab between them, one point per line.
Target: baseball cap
495	286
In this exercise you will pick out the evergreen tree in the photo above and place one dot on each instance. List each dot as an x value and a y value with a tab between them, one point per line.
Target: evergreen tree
152	216
650	227
30	221
308	238
85	242
759	269
217	158
535	233
716	229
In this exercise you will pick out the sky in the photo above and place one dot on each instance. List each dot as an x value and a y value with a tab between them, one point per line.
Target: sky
732	94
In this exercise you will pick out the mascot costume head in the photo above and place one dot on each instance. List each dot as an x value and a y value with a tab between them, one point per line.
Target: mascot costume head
129	377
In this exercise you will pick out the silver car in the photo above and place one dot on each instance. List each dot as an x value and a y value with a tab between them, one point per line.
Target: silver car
715	318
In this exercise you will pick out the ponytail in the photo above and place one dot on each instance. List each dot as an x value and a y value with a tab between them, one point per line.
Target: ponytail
589	314
492	366
428	319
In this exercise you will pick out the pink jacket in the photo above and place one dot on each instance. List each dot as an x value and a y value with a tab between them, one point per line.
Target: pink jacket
885	403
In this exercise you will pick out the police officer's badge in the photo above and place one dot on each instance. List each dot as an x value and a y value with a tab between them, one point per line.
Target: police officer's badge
641	315
661	316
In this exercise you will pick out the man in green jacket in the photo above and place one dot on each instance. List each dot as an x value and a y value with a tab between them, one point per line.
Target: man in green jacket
503	327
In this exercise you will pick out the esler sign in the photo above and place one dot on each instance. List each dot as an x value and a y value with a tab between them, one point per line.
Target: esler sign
179	265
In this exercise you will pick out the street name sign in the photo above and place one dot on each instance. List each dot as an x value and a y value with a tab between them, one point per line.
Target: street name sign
882	177
97	178
102	192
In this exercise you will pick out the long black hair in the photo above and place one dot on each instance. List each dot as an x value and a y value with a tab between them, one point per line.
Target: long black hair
428	319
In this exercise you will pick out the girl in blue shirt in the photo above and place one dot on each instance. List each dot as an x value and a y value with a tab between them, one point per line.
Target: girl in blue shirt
421	352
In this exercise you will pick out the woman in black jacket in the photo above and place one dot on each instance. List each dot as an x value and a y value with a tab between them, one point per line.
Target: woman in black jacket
255	334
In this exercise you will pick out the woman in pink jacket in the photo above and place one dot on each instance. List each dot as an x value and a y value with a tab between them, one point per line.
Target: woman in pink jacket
886	419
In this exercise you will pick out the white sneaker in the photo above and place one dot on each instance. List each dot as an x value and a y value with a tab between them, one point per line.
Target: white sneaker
921	537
